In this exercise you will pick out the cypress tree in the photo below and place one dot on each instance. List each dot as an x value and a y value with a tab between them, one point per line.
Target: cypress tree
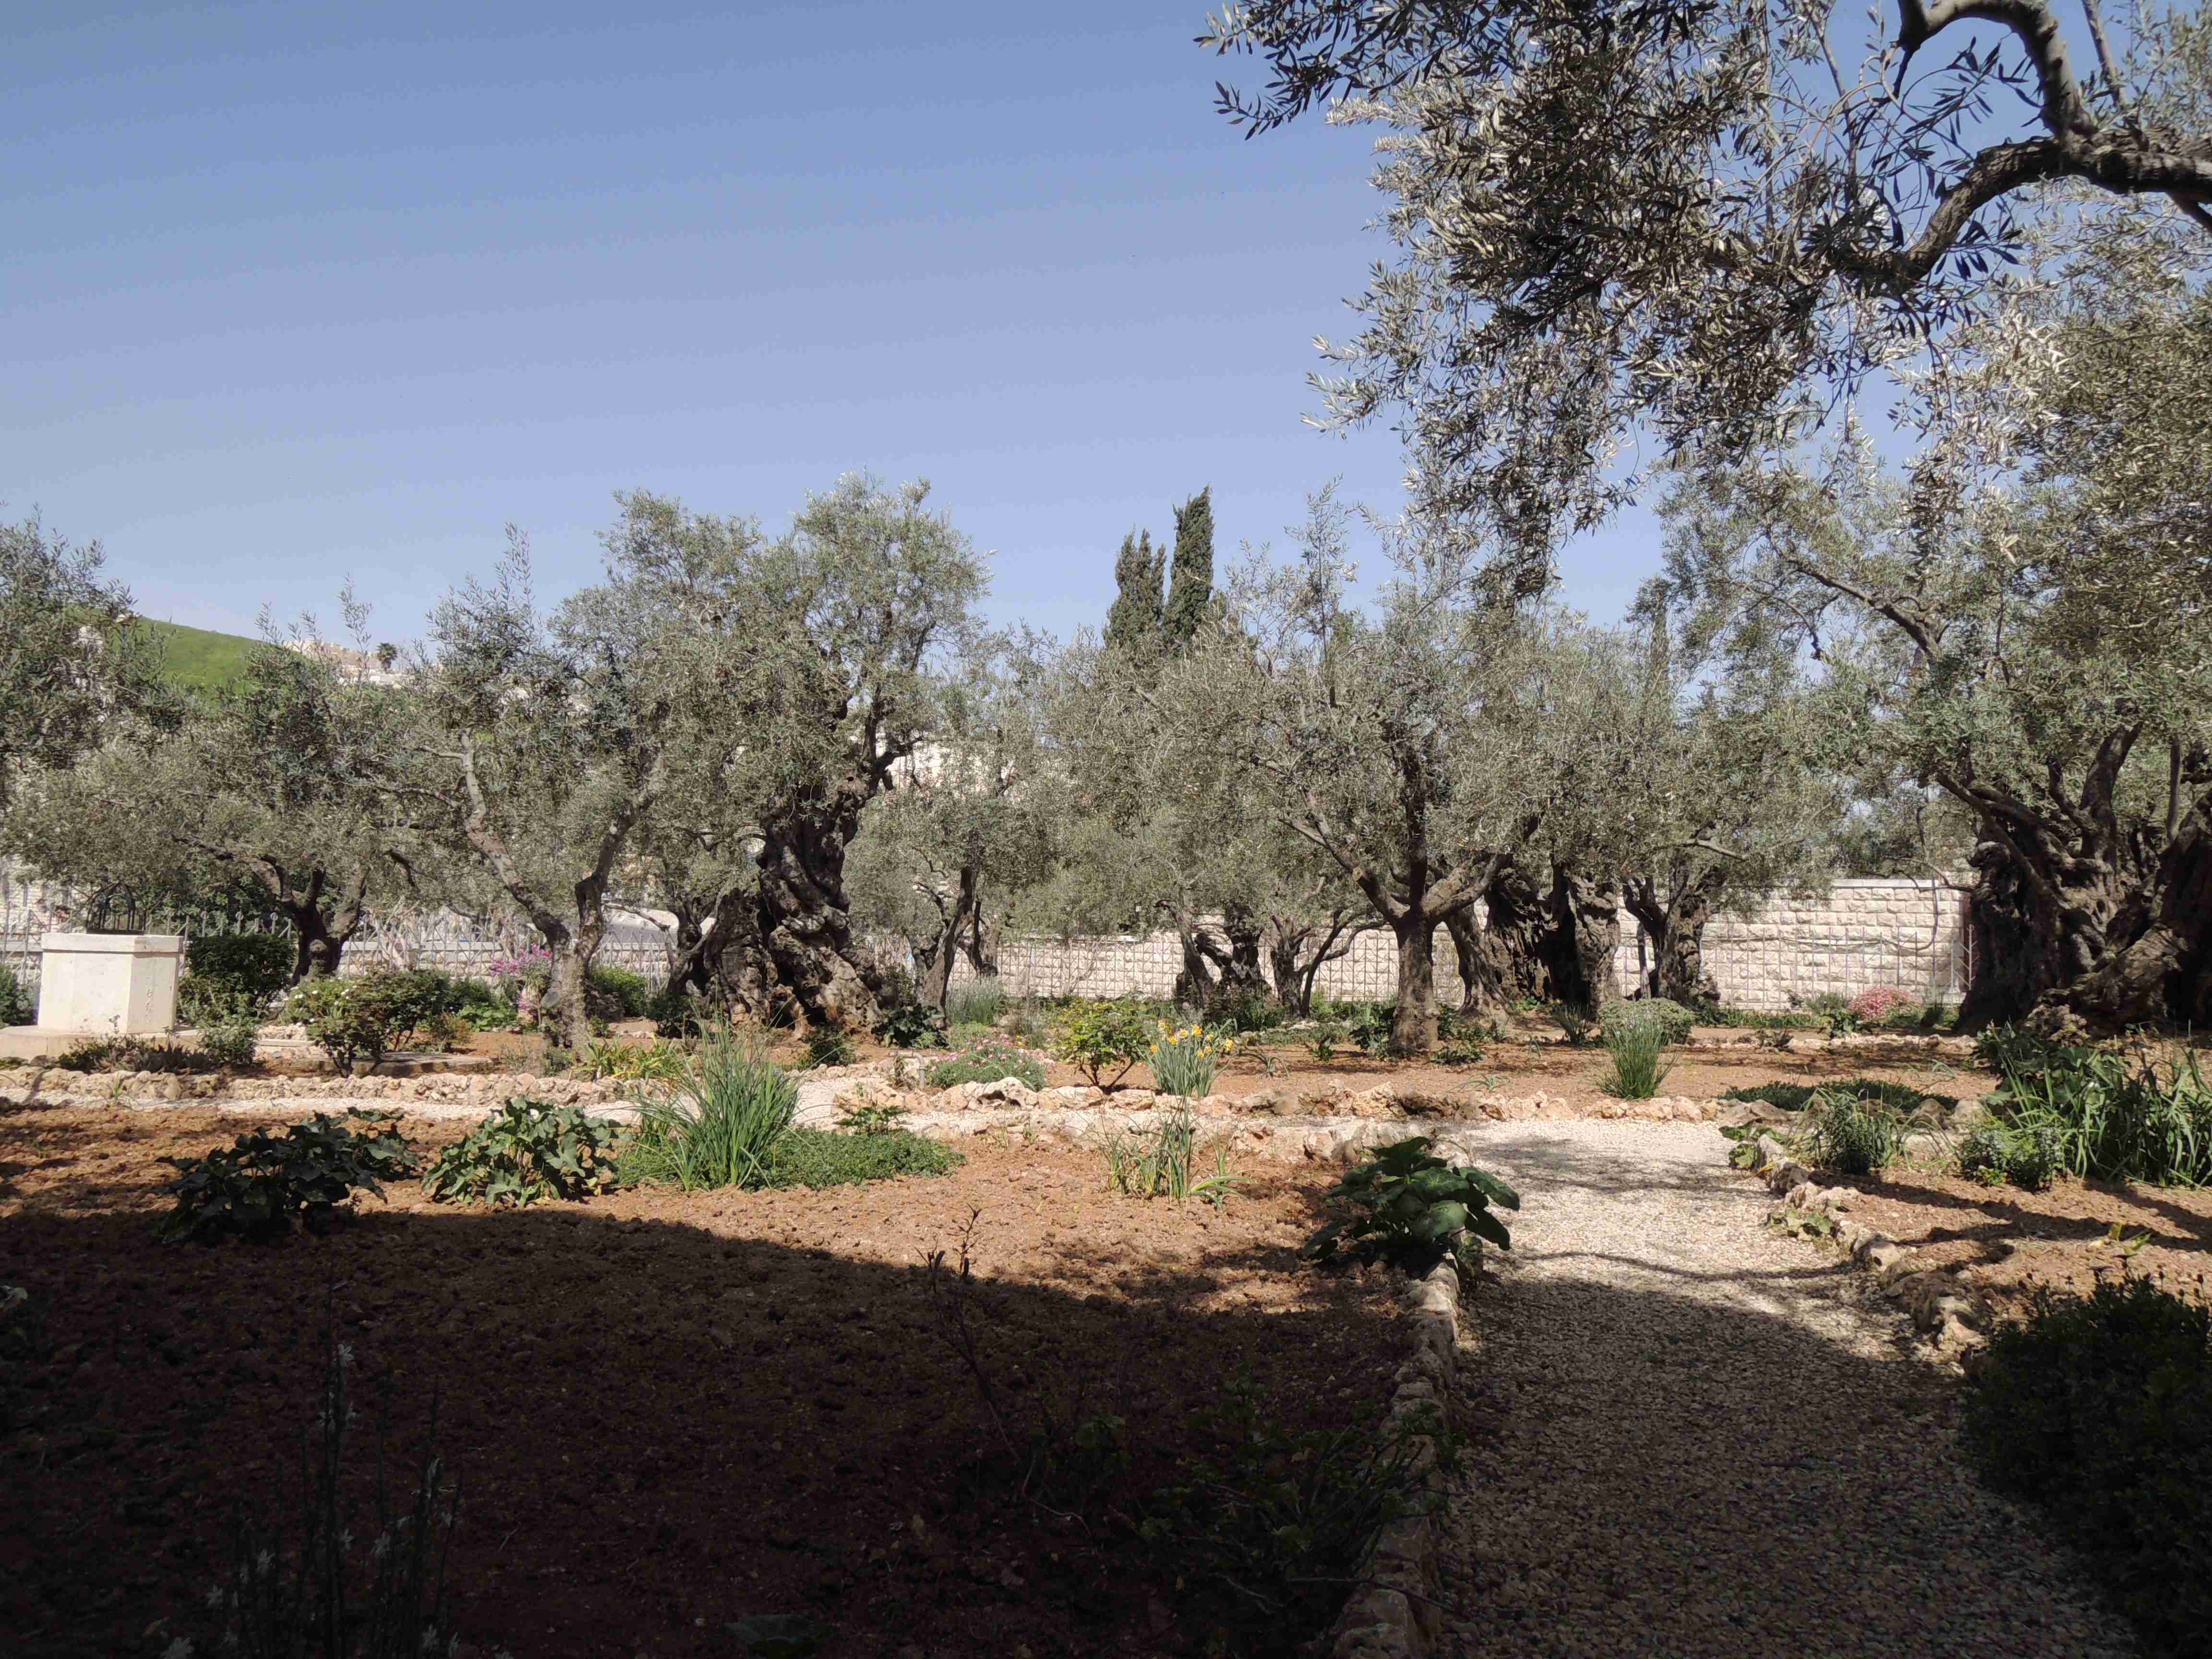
1134	622
1190	588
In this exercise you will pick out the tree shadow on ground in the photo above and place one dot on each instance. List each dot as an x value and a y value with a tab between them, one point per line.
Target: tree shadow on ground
1656	1470
660	1428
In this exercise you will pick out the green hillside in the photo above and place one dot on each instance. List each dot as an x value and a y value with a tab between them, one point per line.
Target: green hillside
197	658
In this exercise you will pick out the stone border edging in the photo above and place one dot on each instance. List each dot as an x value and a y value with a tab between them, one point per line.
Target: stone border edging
1939	1302
1394	1614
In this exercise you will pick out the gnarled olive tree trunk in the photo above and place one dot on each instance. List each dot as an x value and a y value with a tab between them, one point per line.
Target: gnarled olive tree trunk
1585	912
1506	955
805	921
2081	920
1674	920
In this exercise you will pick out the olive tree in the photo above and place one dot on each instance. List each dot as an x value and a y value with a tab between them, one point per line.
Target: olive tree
1415	748
70	657
545	738
2067	720
1699	221
971	823
279	784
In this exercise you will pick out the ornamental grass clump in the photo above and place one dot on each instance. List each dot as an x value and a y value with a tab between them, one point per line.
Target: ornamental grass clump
718	1122
2109	1117
976	1002
1639	1049
1186	1060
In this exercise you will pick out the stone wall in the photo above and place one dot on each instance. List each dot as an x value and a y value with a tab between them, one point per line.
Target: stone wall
1862	932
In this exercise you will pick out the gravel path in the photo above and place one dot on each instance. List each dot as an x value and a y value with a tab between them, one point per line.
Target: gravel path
1694	1436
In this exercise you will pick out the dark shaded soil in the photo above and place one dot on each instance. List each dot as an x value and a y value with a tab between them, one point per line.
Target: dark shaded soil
2004	1242
666	1412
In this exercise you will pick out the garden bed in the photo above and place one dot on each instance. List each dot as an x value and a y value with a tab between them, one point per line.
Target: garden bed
2002	1240
667	1412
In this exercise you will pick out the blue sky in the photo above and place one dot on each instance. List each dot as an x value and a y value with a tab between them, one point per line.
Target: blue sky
295	293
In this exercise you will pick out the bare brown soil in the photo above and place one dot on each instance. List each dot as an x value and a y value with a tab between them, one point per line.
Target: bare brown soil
666	1412
2006	1241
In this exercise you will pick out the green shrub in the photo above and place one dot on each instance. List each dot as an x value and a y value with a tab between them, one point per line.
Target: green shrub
1755	1020
230	1043
17	1007
1461	1051
977	1002
1793	1097
719	1122
613	992
1412	1210
367	1015
1097	1037
2100	1408
911	1025
2005	1153
526	1150
1322	1041
1028	1025
137	1054
828	1045
823	1157
265	1183
1673	1021
1163	1161
873	1119
987	1062
1639	1049
236	970
1369	1025
676	1013
1186	1060
1853	1135
1247	1008
2111	1118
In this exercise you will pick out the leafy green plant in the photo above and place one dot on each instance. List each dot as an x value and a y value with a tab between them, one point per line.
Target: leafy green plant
823	1157
1186	1060
987	1062
2008	1154
1246	1009
526	1150
1326	1035
2011	1049
2100	1409
719	1121
1163	1161
911	1025
1851	1134
1674	1022
1097	1037
828	1045
1793	1097
977	1002
1412	1209
264	1184
1461	1051
366	1017
1370	1026
1639	1049
872	1118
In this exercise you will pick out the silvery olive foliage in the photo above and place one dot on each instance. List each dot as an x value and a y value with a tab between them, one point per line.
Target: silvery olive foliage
1700	222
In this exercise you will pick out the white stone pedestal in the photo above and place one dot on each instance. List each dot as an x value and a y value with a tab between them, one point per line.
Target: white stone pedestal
109	984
